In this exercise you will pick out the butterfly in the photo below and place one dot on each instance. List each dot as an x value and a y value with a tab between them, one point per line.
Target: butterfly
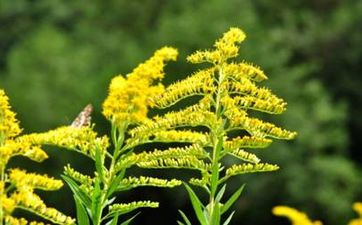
83	118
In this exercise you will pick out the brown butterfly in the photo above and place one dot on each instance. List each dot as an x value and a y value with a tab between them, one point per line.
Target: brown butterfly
84	118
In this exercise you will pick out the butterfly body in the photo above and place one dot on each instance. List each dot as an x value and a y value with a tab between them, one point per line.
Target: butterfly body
84	117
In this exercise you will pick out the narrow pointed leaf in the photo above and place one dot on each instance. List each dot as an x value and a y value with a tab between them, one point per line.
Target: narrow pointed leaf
197	205
216	214
96	202
129	220
215	168
99	163
114	220
220	193
227	221
187	221
82	215
114	184
85	199
232	199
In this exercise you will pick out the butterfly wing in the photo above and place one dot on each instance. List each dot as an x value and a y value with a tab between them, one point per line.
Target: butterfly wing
84	117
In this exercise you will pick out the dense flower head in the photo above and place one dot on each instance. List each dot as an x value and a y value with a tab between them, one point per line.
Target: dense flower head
9	125
225	48
129	98
295	216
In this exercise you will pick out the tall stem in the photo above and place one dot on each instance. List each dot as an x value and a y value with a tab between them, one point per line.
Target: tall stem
217	138
117	139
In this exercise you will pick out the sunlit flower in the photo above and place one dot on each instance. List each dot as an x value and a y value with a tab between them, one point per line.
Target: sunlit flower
9	125
129	98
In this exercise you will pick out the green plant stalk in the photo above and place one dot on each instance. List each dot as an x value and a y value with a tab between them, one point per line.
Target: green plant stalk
117	139
217	148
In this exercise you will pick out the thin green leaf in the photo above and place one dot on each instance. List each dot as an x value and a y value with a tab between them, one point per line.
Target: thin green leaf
82	215
197	205
227	221
130	219
232	199
85	199
113	221
216	214
99	163
187	221
114	184
96	202
220	194
180	223
215	167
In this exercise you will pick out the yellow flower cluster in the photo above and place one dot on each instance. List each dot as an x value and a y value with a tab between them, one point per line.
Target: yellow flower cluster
124	207
9	125
250	168
22	180
22	195
358	208
81	139
295	216
148	181
16	147
128	99
199	83
30	201
225	48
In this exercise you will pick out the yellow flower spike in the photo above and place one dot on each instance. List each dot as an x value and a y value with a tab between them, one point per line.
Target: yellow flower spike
22	179
295	216
23	184
128	99
81	139
28	200
9	125
358	208
13	148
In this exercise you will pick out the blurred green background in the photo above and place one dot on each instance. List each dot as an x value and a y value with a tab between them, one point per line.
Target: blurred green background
57	56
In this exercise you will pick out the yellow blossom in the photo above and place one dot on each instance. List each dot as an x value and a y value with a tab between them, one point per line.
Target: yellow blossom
23	184
358	208
81	139
295	216
129	98
32	202
9	125
35	181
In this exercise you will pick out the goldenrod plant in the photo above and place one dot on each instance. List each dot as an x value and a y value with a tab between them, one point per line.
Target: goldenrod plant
126	106
228	94
17	187
299	218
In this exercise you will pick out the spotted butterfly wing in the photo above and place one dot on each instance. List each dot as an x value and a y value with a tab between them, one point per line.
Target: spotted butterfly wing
84	117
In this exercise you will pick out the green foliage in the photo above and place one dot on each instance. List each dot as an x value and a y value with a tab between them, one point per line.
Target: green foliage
310	50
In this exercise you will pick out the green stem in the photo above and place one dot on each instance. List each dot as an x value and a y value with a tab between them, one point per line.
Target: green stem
117	135
218	145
